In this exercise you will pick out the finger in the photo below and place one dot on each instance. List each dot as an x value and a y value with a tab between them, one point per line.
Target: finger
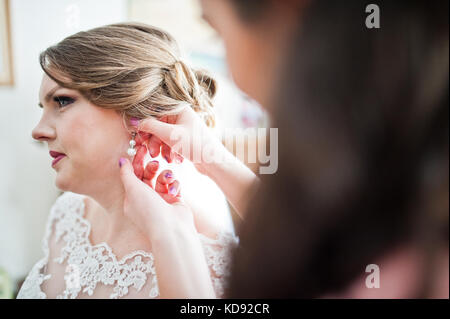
142	138
133	187
172	119
164	118
172	196
178	158
167	153
150	172
156	127
165	178
154	146
127	175
138	161
174	188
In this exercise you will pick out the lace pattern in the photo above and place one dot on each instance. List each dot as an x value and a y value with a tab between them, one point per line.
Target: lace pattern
218	254
90	265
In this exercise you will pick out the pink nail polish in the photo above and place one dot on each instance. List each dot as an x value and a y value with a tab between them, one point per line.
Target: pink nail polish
173	190
168	175
121	161
134	121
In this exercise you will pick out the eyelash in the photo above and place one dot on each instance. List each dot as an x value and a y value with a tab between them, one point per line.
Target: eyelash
62	99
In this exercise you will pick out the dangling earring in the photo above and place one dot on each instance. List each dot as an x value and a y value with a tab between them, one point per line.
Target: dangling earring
131	150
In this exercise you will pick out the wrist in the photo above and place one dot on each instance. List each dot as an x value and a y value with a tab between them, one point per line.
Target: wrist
169	228
214	158
173	236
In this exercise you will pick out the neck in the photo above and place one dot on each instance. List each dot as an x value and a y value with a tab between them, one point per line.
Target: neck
107	205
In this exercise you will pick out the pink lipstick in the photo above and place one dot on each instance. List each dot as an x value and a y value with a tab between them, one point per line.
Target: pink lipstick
57	157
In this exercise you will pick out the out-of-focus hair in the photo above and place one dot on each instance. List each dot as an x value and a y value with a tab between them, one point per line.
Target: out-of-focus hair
363	119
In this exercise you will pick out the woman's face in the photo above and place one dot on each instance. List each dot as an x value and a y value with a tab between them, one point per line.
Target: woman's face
91	138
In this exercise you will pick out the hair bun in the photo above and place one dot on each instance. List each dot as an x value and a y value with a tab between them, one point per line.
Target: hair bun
195	87
207	82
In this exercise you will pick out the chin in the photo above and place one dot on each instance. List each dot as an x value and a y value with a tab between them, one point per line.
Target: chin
71	182
64	182
62	185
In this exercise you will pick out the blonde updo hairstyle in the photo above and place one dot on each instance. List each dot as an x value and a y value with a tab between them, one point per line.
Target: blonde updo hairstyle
133	68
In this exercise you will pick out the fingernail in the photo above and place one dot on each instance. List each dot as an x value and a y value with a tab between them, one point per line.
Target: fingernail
121	161
168	175
155	162
173	190
134	121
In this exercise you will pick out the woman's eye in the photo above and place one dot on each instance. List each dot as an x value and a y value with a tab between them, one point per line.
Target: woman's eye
63	101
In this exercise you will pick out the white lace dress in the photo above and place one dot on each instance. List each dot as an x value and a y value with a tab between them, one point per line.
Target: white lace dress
93	271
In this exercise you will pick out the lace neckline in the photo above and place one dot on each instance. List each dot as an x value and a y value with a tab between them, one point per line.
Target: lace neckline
87	223
91	264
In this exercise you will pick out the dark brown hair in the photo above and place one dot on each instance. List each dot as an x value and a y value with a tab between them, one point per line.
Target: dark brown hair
363	119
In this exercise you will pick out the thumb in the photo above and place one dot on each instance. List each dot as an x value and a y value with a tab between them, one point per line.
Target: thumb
135	189
156	127
129	179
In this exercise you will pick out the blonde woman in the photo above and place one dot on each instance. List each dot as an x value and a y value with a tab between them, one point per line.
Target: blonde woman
119	233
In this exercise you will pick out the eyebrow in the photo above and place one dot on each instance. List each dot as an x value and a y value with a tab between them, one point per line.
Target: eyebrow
49	95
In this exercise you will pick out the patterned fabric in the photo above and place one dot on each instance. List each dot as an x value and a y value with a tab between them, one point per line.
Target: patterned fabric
88	267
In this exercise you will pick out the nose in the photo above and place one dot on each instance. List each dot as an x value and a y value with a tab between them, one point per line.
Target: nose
43	131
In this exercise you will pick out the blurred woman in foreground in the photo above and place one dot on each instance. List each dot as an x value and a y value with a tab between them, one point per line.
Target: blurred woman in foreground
363	142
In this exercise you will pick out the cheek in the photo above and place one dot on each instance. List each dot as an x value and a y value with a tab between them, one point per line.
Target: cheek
94	142
241	57
79	138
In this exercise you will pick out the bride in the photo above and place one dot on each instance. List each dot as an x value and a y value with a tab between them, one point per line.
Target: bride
97	85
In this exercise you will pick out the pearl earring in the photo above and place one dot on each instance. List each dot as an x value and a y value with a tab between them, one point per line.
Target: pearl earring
131	150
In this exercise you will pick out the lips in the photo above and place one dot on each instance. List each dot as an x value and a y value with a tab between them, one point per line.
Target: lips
57	156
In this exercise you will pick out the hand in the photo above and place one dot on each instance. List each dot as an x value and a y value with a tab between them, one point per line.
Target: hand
156	146
184	134
168	223
142	140
153	210
187	135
